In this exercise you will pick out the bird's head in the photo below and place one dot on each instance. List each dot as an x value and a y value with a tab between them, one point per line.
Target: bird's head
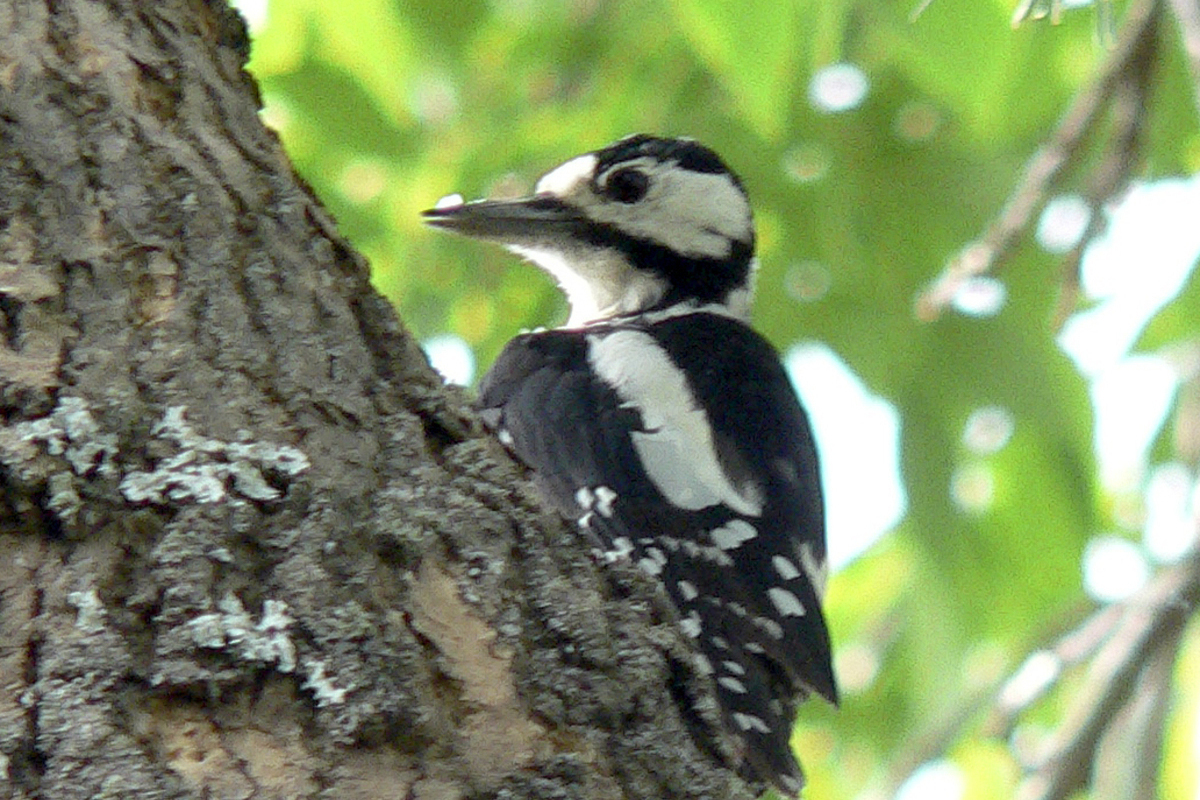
646	223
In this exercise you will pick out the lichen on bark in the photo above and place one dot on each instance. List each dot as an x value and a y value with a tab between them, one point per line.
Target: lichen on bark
250	545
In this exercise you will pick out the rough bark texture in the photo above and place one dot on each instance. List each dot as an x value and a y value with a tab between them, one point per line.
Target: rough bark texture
249	545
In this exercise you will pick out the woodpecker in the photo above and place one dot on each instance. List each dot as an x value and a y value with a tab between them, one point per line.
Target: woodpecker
660	422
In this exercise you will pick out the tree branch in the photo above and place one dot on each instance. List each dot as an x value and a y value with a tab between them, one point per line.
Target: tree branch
1045	169
1148	624
1187	17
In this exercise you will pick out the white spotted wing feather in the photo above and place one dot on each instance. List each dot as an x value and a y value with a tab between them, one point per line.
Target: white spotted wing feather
723	507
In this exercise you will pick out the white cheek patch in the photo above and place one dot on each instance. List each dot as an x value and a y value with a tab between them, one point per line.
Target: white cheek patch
698	214
677	449
566	178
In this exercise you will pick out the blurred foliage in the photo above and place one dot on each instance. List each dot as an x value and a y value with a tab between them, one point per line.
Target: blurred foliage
386	105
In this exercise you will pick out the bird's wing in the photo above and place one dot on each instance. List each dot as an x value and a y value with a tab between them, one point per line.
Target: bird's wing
744	570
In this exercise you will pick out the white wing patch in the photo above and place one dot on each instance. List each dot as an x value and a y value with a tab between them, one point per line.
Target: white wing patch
604	501
749	722
584	498
768	626
622	548
815	568
600	500
786	569
733	534
786	603
677	450
650	566
732	684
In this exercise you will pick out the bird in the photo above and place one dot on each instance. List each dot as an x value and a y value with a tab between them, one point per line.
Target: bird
664	426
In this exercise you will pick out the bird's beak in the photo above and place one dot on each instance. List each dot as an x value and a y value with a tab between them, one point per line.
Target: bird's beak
527	220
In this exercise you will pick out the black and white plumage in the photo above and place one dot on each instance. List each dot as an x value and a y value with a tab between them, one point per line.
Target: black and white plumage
664	425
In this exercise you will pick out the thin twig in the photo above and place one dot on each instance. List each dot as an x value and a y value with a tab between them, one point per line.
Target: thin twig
1069	649
934	740
1046	167
1113	174
1041	671
1037	9
1154	616
1127	760
919	10
1123	641
1187	17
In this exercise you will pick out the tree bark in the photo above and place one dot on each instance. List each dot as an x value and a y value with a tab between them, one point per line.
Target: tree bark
250	546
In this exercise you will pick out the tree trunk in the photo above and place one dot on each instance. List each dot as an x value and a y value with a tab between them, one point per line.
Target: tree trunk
250	546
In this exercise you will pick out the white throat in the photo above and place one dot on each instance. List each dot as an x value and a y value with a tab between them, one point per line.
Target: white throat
599	284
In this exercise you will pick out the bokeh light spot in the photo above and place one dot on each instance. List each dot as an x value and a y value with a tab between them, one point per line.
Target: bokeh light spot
973	487
807	281
1113	569
917	121
1063	223
433	99
451	357
1171	513
980	296
806	163
858	436
988	429
838	87
254	12
856	665
933	780
276	112
362	181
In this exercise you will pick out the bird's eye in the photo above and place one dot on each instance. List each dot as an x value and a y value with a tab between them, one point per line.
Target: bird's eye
627	185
